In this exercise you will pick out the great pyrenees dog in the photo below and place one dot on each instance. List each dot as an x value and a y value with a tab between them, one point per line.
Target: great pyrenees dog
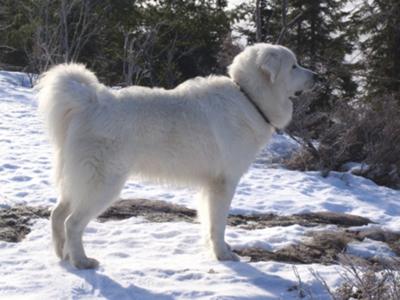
204	134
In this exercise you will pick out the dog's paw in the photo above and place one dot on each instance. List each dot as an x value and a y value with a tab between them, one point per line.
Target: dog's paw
85	263
226	254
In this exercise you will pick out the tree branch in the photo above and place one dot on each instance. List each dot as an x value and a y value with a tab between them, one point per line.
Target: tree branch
286	26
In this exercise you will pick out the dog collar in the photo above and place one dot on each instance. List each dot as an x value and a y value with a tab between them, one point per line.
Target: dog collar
256	106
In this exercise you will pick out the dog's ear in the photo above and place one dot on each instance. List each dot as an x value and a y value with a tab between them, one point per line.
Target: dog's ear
271	65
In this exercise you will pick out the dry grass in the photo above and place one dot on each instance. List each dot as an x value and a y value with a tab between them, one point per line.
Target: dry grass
366	281
367	134
361	280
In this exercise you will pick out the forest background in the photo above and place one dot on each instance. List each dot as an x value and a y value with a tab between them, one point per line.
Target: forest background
352	117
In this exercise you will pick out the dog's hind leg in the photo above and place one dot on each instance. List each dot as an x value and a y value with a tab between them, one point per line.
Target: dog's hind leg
75	224
92	202
213	215
57	219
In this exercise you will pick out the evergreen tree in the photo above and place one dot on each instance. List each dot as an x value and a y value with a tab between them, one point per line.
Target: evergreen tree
378	24
319	38
321	41
161	42
193	40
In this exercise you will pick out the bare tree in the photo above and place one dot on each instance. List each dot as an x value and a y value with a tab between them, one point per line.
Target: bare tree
285	25
140	55
229	49
62	30
262	16
258	21
41	51
174	55
82	28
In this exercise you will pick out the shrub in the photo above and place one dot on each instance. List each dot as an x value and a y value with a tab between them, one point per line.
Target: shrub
367	281
368	133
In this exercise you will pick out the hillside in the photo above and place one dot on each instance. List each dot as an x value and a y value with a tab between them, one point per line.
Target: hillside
145	258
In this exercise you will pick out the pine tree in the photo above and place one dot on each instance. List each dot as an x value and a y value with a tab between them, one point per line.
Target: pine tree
163	42
319	38
379	28
321	41
188	45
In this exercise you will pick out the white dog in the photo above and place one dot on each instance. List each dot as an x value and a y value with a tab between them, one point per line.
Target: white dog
205	133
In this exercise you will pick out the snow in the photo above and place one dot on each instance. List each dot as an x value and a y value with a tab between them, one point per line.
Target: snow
234	3
369	248
156	261
145	260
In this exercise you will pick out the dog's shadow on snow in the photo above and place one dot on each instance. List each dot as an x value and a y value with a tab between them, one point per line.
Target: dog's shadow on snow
269	283
99	284
102	285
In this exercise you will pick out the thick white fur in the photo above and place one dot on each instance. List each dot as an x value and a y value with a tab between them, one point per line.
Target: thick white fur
204	134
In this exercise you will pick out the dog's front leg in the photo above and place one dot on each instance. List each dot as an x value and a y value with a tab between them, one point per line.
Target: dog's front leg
213	213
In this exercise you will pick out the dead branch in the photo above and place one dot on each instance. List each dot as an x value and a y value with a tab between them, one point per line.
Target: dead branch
285	25
258	21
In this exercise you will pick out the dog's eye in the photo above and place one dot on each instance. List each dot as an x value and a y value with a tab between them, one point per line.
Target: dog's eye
294	67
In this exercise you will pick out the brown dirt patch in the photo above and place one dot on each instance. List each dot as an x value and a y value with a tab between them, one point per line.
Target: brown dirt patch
15	222
326	247
313	219
319	247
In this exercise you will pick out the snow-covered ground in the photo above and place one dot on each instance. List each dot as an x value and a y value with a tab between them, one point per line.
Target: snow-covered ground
144	260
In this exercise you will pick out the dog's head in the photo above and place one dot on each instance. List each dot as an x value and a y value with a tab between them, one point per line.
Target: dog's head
280	67
270	74
277	65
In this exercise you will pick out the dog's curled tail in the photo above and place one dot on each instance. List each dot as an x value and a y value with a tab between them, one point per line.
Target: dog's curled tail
63	91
